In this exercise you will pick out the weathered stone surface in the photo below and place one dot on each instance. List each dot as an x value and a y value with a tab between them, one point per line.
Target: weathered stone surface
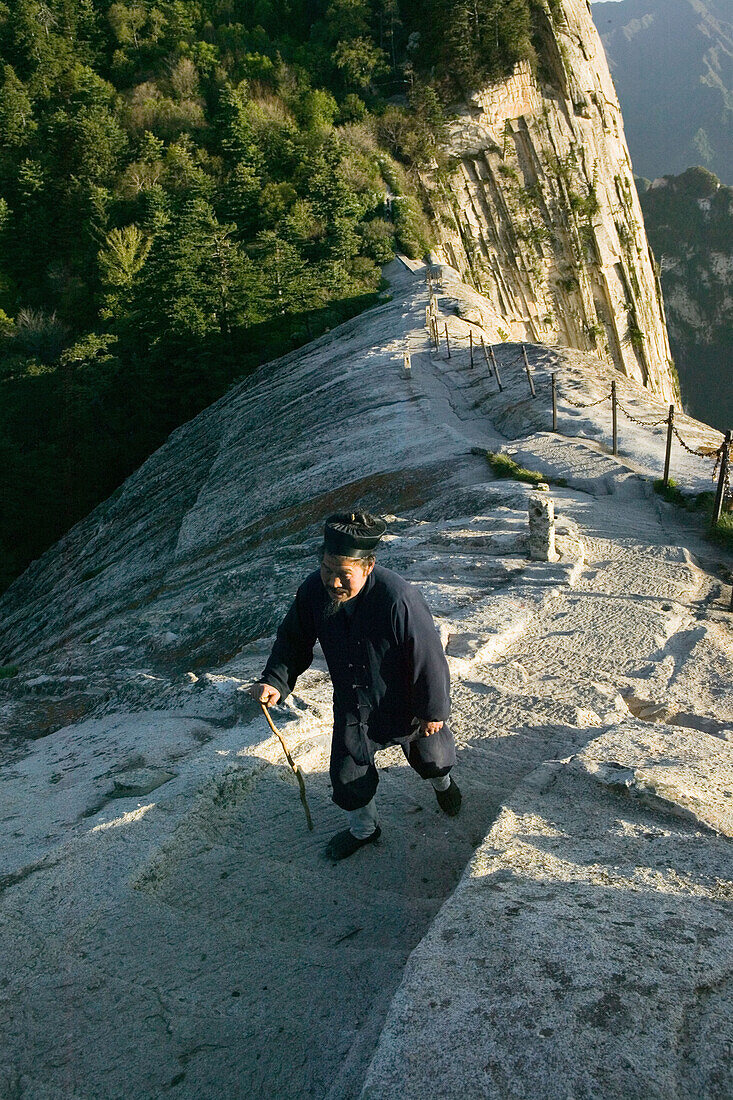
174	572
542	527
691	778
587	950
166	922
191	939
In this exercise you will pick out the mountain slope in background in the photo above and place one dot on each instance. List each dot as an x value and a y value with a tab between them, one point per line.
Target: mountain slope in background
689	222
672	64
188	190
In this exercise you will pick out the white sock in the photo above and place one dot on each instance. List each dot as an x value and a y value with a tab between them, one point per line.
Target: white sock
442	783
363	822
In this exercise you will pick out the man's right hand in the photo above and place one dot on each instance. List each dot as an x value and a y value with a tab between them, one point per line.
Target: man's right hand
263	693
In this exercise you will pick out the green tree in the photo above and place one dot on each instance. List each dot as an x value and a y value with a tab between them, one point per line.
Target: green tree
316	109
234	129
196	281
16	112
347	19
360	61
121	260
289	283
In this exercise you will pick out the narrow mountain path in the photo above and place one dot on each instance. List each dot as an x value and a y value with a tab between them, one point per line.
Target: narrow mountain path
290	963
315	952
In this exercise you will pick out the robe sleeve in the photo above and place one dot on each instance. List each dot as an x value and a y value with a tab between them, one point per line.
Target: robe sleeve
427	667
292	652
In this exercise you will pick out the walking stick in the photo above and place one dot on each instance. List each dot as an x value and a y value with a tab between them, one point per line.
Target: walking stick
293	765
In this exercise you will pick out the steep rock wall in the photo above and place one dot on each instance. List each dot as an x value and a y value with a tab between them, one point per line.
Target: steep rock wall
540	211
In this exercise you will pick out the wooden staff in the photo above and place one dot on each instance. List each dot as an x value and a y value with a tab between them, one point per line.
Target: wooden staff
293	765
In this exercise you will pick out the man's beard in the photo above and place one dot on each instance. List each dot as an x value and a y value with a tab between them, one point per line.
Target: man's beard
332	607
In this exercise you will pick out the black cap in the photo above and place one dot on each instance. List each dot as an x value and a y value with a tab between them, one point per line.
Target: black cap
352	534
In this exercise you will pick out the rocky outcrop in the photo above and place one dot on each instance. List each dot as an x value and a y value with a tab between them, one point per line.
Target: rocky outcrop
168	923
175	570
587	949
540	212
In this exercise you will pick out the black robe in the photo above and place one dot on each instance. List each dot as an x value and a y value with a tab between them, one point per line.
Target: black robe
384	654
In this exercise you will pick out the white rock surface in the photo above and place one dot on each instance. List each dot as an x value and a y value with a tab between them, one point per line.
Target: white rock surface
587	951
166	920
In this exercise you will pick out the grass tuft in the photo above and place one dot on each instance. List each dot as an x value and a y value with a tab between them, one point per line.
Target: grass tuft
722	533
670	492
504	466
8	670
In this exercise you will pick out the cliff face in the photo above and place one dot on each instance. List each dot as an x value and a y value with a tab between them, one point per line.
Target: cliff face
540	211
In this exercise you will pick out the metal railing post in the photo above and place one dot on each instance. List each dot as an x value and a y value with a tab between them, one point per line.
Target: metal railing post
668	455
529	373
496	368
486	354
722	477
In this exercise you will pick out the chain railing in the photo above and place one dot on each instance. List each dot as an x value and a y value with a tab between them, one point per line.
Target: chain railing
587	404
692	451
721	469
635	419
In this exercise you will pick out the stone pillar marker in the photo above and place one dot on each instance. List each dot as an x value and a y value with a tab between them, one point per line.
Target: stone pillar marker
542	527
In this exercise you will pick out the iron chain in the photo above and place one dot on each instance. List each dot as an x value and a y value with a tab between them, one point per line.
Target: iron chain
642	423
718	459
649	424
590	404
698	454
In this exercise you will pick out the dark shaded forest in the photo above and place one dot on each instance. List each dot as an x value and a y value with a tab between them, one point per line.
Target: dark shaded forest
689	222
189	188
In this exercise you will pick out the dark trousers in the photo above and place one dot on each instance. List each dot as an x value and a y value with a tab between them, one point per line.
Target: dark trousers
354	777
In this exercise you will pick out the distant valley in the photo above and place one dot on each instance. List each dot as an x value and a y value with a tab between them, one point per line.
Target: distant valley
672	64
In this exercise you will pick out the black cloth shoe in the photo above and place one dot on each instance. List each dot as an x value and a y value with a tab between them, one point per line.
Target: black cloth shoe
344	844
450	800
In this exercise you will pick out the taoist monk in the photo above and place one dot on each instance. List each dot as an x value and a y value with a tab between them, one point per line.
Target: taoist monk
391	684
